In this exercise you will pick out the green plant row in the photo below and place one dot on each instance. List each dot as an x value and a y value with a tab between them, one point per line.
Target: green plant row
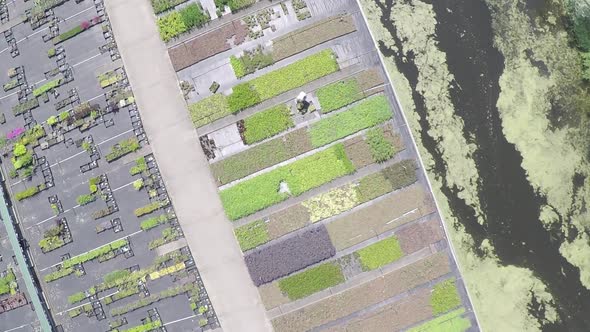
282	80
279	184
208	110
264	87
336	95
252	235
267	123
312	280
171	292
368	113
85	199
178	22
122	148
47	86
95	253
379	254
29	192
154	221
58	274
51	243
149	208
381	149
168	235
76	297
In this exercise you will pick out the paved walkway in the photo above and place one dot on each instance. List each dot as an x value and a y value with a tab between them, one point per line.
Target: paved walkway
185	168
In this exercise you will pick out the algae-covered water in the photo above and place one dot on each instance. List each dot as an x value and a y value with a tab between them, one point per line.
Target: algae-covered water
494	96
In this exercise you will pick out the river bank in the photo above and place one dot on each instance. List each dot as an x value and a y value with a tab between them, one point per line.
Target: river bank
484	92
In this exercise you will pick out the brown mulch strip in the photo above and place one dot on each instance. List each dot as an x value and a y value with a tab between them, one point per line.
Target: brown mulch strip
420	235
207	45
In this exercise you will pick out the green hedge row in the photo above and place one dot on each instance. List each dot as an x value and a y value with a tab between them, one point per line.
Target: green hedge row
279	184
379	254
366	114
268	123
311	281
95	253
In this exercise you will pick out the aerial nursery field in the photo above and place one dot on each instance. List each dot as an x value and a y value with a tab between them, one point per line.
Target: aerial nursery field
316	171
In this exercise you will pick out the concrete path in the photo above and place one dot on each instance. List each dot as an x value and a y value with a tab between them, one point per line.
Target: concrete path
184	168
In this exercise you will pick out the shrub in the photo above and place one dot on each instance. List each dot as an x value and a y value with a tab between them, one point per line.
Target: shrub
364	115
171	25
381	149
22	161
122	148
379	254
445	297
154	222
85	199
252	235
339	94
19	149
46	87
77	297
268	123
148	208
300	176
193	16
242	96
289	255
138	184
140	166
209	109
311	281
32	191
7	283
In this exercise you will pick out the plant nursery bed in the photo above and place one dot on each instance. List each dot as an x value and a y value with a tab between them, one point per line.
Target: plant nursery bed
364	295
393	211
289	255
392	317
312	35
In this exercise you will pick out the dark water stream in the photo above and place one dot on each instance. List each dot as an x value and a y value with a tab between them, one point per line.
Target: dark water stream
511	206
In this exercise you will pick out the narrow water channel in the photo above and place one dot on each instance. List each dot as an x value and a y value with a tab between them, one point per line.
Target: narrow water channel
511	206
